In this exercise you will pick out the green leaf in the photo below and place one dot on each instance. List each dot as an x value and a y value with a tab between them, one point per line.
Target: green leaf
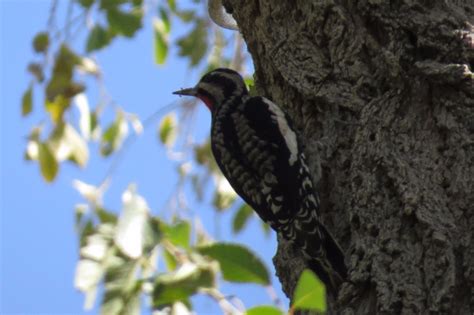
243	214
111	4
168	129
238	263
182	283
61	88
310	293
88	274
202	153
74	146
41	42
122	289
27	101
90	269
73	89
137	232
114	135
110	140
203	156
137	3
160	40
170	260
149	266
66	144
86	3
223	199
107	230
112	302
86	279
80	211
84	115
250	83
90	193
121	303
186	15
264	310
98	38
120	273
94	124
153	234
48	164
224	195
61	83
88	66
133	225
124	23
35	133
32	148
95	248
106	216
172	5
179	233
85	230
194	45
36	70
165	18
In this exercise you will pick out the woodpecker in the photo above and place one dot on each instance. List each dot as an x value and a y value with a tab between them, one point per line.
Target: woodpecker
257	149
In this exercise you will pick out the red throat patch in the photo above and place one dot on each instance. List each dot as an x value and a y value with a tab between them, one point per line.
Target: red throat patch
207	101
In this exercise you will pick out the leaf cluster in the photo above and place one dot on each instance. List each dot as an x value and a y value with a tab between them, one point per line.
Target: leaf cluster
134	253
130	254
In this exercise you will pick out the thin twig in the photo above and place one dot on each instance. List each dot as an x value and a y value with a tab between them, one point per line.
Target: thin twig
80	28
227	307
67	25
129	141
52	15
171	201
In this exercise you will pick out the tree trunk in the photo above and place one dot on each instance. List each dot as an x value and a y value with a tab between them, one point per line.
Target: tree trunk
382	92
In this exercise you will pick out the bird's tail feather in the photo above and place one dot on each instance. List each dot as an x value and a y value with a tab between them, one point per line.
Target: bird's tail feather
332	267
324	255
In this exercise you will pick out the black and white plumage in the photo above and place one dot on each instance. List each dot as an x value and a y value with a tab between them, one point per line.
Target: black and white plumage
257	150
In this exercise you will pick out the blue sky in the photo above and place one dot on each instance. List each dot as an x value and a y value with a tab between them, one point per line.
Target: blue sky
38	242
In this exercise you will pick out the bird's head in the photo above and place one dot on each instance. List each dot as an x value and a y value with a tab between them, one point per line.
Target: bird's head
217	86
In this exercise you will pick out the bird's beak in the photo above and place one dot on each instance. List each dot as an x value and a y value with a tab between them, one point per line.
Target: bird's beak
190	92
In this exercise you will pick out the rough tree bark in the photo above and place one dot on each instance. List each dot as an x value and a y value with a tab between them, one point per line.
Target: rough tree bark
382	92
